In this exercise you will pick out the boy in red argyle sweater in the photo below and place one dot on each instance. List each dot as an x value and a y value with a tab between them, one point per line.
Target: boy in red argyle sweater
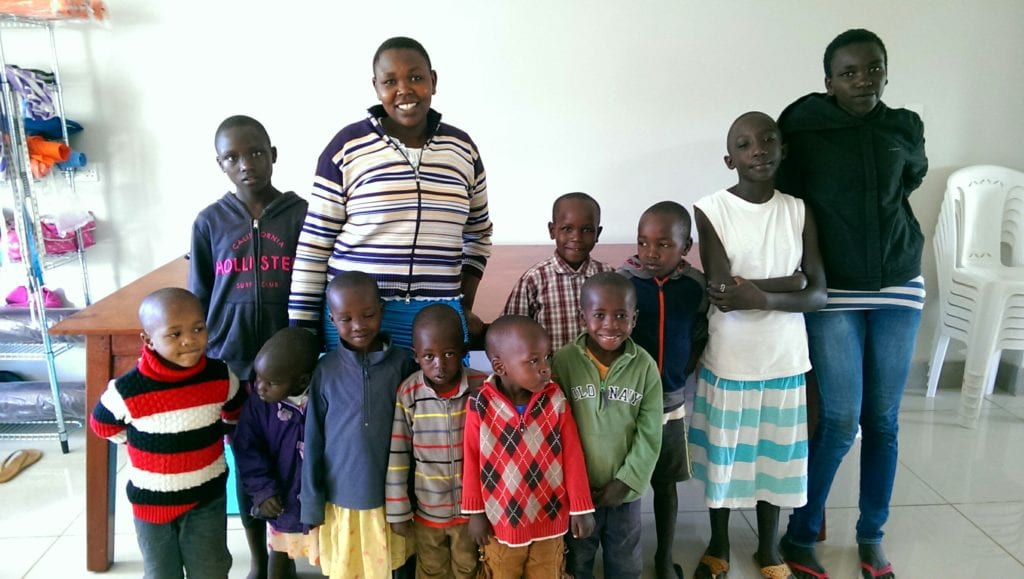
170	411
524	477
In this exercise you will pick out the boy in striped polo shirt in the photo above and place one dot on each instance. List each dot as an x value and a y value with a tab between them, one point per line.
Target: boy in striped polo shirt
426	448
170	410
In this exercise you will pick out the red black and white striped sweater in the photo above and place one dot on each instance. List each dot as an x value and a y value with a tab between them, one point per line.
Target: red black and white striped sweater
172	421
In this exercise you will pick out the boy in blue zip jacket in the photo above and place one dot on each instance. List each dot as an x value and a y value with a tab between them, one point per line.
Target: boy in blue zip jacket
243	247
672	326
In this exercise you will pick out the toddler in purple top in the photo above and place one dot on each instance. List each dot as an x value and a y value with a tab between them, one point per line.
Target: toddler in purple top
268	445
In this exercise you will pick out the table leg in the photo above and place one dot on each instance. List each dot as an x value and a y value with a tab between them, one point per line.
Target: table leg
100	462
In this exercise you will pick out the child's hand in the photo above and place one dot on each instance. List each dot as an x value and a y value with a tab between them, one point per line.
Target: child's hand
742	295
612	494
799	281
403	528
271	508
581	525
480	529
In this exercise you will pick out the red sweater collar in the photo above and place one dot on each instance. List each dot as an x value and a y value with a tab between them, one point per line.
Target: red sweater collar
151	366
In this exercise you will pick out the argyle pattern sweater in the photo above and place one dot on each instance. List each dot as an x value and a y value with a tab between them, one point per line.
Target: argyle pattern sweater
172	423
526	472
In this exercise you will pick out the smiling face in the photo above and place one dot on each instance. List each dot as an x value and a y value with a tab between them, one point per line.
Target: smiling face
661	243
405	85
858	77
246	157
356	312
439	350
755	148
575	230
177	333
609	314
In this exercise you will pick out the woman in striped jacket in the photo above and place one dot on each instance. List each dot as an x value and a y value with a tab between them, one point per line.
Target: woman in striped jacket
401	196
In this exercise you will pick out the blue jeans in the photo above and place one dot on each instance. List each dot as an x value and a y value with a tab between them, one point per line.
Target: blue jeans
617	531
861	359
195	543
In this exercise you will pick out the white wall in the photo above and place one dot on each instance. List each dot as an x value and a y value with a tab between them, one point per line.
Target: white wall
629	101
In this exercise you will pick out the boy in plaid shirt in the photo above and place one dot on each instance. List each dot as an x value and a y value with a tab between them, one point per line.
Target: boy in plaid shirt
549	292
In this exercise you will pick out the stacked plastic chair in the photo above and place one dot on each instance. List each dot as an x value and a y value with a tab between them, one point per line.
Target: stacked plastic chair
979	253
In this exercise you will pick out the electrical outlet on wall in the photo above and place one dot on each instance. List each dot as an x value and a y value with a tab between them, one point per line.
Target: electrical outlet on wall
87	174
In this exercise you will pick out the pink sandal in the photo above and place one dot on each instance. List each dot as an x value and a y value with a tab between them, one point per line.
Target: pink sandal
869	572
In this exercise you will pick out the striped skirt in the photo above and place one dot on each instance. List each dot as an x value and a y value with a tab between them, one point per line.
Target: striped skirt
748	441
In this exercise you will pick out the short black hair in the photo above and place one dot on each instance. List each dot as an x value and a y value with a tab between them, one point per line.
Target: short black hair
576	196
440	316
155	305
507	326
293	348
674	211
352	280
236	121
607	279
851	36
401	43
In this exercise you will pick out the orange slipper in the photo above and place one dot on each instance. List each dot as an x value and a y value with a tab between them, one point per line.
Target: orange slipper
18	461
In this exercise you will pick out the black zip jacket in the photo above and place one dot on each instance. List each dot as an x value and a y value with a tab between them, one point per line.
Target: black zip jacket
856	174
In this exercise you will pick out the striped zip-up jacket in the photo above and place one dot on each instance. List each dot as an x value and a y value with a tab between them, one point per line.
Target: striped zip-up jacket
172	423
415	229
426	439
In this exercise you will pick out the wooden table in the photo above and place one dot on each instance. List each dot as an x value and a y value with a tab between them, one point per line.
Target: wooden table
112	342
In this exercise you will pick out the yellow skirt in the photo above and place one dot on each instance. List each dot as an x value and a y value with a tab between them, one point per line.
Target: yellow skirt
359	544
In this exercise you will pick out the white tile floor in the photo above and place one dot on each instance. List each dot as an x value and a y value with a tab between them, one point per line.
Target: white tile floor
958	506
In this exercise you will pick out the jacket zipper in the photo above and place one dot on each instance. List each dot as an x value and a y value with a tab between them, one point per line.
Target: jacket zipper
451	455
257	254
416	233
661	323
419	206
366	389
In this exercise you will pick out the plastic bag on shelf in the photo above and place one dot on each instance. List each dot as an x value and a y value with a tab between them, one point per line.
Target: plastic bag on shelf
58	203
54	242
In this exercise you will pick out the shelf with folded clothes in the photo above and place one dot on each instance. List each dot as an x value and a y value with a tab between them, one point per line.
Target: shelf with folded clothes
30	96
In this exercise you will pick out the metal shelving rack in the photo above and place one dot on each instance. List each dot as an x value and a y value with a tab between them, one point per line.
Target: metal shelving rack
18	176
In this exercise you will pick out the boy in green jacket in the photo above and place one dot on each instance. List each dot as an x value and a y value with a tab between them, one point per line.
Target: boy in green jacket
614	388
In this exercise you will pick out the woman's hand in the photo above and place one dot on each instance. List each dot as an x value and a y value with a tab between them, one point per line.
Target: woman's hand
739	295
475	326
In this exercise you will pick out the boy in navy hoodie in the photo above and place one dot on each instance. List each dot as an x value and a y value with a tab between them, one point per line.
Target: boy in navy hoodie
672	326
243	247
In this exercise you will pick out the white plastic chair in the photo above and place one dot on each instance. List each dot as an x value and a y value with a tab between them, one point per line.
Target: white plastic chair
979	253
